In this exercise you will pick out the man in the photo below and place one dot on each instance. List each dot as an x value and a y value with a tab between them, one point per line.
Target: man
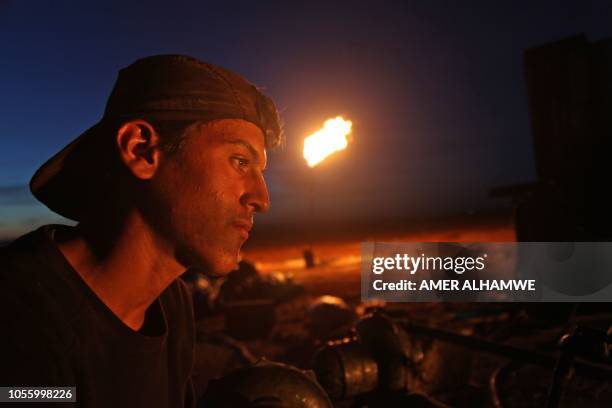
169	179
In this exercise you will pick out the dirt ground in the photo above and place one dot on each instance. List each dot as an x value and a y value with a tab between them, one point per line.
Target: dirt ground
337	263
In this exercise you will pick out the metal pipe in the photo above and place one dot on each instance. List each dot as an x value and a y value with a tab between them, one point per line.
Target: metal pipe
582	367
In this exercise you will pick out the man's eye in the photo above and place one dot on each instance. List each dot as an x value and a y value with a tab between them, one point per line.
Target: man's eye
241	162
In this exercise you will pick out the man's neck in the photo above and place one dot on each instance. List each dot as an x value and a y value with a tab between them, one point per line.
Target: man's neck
133	270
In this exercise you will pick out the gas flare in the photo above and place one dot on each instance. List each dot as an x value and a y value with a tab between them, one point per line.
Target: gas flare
332	137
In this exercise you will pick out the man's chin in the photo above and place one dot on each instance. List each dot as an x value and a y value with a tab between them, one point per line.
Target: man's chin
217	265
222	267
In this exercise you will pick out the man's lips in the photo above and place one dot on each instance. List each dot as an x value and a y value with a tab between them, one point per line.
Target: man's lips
244	226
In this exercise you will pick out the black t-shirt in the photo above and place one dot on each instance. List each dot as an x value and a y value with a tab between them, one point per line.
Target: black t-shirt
54	331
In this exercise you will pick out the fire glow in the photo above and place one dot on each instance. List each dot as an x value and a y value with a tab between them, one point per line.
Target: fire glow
331	138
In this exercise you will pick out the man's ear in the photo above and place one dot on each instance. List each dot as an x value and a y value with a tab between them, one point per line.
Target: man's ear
138	145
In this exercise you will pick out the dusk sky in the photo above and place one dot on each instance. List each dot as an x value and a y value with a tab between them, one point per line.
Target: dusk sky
435	91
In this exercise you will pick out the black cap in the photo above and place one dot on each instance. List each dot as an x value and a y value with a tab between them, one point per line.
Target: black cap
156	88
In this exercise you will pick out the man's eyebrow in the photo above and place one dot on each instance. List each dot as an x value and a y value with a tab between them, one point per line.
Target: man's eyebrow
248	146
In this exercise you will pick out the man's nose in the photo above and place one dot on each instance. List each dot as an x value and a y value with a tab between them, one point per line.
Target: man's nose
257	196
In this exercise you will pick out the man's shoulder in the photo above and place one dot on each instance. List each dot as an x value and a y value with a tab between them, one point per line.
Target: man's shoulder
21	263
26	276
26	315
22	253
31	291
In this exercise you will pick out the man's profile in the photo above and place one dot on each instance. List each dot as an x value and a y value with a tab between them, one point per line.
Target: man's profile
169	179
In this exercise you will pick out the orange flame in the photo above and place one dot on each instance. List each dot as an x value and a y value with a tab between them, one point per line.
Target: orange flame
331	138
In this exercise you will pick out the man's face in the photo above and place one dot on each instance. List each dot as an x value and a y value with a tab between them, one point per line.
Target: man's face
207	192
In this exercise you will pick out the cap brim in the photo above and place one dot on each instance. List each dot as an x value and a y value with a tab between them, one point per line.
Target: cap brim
66	183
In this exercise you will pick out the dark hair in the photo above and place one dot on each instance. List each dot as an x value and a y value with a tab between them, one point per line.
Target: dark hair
269	117
172	133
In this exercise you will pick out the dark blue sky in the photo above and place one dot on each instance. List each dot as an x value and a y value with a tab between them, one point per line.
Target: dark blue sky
435	90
